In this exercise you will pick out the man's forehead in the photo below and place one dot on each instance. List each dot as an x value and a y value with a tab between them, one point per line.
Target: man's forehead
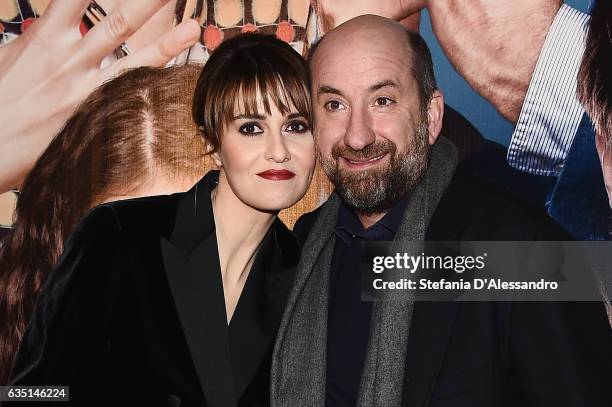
366	85
365	65
331	77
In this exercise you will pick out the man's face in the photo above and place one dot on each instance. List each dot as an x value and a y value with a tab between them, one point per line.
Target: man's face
370	131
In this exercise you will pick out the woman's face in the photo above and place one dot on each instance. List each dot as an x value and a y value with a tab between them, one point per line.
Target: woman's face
268	159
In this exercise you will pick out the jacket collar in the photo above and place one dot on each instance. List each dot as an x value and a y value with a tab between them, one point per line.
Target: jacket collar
194	216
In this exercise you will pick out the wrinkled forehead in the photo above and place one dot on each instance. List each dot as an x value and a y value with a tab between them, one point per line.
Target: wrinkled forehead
362	70
362	56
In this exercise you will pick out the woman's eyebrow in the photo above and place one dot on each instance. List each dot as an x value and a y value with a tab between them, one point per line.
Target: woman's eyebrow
295	115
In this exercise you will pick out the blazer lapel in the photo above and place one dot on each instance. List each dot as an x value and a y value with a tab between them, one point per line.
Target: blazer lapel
192	267
194	217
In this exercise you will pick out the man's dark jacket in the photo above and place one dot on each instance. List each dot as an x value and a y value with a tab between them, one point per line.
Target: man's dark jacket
501	353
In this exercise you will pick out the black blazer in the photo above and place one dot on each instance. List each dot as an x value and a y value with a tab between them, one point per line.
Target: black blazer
134	311
488	354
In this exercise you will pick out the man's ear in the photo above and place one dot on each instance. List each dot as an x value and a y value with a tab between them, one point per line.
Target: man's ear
435	112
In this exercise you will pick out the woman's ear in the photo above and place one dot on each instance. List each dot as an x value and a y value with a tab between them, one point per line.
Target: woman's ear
216	159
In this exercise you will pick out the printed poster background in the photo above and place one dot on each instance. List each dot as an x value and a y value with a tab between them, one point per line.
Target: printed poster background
288	19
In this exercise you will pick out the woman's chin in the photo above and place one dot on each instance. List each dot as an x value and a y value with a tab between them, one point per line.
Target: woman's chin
277	205
277	197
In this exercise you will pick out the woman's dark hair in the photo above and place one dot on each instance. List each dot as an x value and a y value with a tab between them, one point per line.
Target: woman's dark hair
595	75
130	130
241	69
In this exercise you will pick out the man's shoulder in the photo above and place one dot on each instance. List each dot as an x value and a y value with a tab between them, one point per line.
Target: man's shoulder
288	243
305	223
471	209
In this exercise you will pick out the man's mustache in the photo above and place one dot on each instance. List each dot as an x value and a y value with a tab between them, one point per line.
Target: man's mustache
370	151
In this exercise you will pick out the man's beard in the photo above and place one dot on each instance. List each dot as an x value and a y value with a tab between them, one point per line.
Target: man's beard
377	190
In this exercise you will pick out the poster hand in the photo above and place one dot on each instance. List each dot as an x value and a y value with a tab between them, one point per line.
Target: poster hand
335	12
51	68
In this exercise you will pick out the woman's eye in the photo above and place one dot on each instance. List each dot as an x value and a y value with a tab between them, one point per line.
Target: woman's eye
297	127
333	105
383	101
250	129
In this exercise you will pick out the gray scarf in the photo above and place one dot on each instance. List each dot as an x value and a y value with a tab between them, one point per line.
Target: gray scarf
299	360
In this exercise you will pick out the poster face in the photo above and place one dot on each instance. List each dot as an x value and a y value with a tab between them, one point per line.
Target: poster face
306	202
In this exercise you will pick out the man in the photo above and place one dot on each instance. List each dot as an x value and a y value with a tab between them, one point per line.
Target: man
377	117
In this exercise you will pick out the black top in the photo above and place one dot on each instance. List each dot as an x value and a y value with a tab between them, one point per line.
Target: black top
134	311
348	326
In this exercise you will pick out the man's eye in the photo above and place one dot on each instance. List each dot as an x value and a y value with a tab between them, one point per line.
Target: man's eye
250	129
383	101
297	127
334	105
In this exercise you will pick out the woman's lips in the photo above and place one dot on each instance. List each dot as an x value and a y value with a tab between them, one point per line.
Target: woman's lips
276	175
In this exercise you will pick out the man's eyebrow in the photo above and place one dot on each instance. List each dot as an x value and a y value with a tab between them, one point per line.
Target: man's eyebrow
253	116
383	84
328	89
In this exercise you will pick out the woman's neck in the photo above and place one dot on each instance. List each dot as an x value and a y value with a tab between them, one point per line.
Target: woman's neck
239	229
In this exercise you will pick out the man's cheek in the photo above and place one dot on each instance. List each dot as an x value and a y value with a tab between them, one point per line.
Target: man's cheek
396	132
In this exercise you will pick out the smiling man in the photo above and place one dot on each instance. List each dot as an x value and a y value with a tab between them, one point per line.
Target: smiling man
375	121
377	118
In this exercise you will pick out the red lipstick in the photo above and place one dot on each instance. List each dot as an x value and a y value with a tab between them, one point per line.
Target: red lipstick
276	175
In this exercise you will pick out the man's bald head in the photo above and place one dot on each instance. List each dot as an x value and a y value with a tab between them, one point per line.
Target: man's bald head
366	27
368	34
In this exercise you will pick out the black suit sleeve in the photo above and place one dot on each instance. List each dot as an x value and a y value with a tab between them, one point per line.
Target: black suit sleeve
561	353
65	341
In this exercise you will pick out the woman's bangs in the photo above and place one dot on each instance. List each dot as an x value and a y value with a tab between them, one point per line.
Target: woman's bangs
287	92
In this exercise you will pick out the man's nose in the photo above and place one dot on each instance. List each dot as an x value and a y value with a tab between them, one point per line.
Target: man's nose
359	133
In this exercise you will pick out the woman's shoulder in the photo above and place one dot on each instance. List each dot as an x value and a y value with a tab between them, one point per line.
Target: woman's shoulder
146	215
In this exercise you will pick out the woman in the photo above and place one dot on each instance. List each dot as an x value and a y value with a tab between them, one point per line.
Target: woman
105	152
184	309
